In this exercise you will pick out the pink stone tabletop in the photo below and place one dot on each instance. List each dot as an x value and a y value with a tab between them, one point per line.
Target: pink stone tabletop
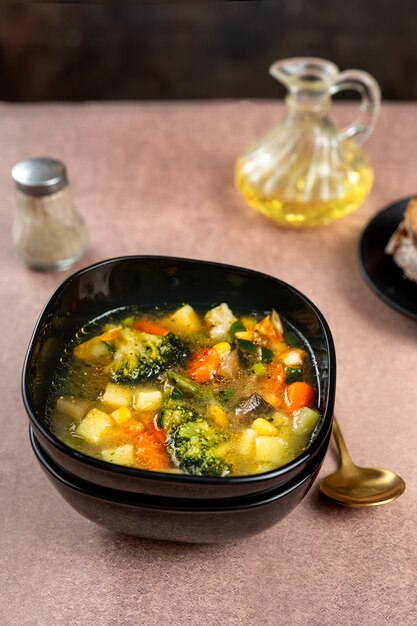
158	179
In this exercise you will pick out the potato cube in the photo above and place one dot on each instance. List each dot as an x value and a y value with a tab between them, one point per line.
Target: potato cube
264	428
183	320
280	419
147	400
273	450
117	395
74	408
122	414
246	443
94	425
122	455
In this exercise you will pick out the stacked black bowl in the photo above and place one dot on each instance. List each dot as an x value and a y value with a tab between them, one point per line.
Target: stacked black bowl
161	505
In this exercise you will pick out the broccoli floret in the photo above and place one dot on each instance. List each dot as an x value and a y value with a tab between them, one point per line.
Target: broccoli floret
170	418
194	443
194	446
140	356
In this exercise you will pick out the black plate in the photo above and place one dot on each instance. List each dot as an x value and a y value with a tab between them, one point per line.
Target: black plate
380	272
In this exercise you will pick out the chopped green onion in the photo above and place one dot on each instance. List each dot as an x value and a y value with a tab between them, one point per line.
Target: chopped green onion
259	369
128	321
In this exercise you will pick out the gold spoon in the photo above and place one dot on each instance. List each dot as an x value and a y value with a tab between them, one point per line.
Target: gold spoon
357	486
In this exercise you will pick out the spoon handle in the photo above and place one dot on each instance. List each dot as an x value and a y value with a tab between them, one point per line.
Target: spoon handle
340	442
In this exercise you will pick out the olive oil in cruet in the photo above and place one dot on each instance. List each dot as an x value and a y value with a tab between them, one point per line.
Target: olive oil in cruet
304	172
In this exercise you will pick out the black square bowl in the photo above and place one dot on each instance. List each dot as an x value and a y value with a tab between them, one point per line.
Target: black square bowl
174	519
148	281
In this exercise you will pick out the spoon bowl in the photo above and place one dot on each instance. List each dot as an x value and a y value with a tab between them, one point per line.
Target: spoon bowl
358	487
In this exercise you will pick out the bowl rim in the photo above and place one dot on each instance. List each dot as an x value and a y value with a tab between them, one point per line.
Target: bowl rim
166	476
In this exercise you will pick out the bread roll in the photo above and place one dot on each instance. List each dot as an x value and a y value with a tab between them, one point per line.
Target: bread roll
402	245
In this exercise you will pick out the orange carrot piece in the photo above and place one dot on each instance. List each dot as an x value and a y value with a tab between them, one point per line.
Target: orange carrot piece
132	426
158	432
298	395
149	327
203	364
275	375
151	452
272	383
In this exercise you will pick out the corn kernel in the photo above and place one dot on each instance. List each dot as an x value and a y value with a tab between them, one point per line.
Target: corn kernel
218	415
121	414
222	347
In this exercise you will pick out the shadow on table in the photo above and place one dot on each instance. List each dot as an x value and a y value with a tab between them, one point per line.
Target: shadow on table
133	547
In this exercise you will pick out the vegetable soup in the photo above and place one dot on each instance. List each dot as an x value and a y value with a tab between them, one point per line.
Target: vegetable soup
209	393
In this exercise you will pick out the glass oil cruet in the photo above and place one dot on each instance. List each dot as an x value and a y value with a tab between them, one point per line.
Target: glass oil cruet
305	172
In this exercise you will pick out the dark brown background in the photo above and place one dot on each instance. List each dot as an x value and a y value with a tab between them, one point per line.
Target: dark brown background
196	48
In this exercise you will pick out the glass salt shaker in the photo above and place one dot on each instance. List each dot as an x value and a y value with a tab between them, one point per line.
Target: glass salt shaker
48	232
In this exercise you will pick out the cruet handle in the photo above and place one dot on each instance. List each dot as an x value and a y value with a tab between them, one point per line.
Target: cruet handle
370	93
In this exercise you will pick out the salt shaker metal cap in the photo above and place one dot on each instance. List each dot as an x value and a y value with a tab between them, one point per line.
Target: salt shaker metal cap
40	177
48	231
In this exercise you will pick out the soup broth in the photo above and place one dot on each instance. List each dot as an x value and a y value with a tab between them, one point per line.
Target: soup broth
210	393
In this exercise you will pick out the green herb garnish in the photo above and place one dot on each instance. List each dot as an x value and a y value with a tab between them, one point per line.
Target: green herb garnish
259	369
237	327
225	395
